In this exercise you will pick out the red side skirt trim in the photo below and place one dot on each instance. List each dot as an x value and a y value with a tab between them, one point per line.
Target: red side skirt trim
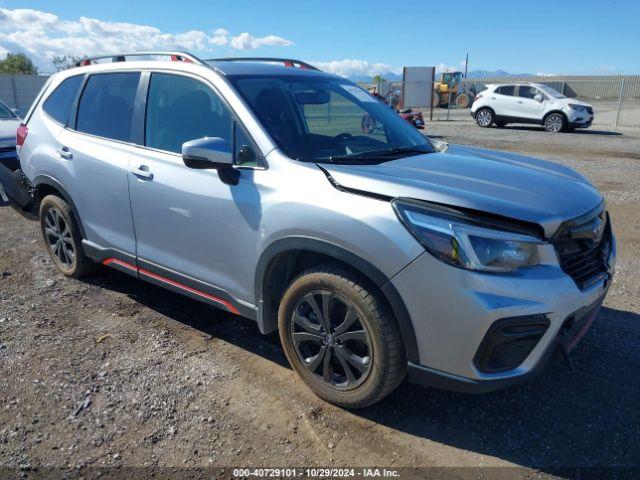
128	266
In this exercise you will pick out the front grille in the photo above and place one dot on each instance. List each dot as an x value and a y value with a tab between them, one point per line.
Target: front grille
7	149
590	110
582	256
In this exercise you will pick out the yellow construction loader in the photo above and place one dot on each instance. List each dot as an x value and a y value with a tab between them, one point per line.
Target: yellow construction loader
450	84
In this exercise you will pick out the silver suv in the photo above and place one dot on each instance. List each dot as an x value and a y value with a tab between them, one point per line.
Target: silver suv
249	184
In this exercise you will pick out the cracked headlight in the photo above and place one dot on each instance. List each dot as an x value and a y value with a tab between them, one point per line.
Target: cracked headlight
464	244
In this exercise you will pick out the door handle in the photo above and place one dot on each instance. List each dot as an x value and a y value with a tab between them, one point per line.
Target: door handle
65	153
519	101
142	172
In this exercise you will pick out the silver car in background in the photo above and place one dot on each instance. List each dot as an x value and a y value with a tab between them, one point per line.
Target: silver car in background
250	185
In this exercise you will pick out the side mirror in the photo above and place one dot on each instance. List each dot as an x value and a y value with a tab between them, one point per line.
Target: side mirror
207	153
17	112
538	97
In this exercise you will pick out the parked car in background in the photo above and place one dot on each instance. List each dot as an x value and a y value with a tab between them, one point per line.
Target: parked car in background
530	103
252	187
9	122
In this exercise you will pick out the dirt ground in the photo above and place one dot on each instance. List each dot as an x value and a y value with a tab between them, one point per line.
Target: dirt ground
112	372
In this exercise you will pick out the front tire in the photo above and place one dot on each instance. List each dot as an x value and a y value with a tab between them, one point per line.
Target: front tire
62	238
340	337
555	123
484	117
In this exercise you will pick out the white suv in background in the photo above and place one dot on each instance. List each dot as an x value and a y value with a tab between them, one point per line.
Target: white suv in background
530	103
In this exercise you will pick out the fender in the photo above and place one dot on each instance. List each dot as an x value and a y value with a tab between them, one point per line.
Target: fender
268	322
52	182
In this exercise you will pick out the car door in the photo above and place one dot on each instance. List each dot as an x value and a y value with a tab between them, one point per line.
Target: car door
196	230
97	146
528	107
503	100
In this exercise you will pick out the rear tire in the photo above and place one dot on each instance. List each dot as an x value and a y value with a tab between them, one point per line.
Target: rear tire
484	117
555	123
62	238
463	100
340	337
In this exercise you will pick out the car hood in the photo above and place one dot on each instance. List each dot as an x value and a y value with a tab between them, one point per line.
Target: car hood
575	101
8	129
500	183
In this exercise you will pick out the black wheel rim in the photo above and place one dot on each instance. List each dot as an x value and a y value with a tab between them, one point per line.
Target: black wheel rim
58	236
331	340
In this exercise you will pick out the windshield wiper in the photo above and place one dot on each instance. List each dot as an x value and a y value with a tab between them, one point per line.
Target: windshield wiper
376	155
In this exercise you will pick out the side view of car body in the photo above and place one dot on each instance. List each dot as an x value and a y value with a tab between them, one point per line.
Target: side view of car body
530	103
250	186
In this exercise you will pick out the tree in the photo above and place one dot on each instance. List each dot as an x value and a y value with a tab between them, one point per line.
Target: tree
378	79
17	64
65	61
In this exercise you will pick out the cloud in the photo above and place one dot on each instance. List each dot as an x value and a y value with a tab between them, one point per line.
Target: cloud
43	35
246	41
348	68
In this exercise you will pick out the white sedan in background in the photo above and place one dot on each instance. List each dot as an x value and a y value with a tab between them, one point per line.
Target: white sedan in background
530	103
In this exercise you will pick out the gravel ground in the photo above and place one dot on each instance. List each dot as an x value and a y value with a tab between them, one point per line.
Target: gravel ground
112	372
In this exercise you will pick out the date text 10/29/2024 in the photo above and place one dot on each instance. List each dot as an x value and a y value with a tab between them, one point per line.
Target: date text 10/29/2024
315	473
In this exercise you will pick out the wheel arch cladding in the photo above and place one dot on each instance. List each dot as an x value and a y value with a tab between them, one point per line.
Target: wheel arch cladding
44	185
284	258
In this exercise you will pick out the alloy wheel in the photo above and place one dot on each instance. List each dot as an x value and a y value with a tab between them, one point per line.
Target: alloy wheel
331	341
58	236
484	118
554	123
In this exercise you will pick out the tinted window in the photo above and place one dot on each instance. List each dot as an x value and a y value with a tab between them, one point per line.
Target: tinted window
180	109
506	90
106	105
58	104
526	91
318	117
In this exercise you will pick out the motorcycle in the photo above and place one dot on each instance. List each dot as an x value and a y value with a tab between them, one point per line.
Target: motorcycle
370	125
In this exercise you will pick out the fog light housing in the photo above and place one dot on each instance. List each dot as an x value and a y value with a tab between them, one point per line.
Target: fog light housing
508	342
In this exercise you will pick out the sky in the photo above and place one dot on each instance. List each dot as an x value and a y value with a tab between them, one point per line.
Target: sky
348	37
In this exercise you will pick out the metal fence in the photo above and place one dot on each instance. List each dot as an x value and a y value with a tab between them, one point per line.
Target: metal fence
615	98
19	91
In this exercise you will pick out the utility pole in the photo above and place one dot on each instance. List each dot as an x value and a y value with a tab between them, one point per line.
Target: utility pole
466	65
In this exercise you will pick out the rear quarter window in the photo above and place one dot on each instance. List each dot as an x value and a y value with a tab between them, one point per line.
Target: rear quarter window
106	105
58	104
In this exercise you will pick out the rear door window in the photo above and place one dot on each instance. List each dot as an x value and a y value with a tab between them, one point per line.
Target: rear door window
106	105
506	90
180	109
58	104
527	91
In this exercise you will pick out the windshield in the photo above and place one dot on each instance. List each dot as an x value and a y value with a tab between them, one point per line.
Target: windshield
5	112
550	91
316	118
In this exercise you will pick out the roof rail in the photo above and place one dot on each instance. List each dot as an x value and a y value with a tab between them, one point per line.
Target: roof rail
122	57
288	62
